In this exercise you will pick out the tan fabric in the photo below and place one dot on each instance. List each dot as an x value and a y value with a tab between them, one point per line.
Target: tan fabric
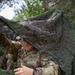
51	69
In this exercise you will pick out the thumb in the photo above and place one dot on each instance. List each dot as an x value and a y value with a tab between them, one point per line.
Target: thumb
22	65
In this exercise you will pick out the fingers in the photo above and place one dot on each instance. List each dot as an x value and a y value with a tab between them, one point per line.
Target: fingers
18	69
18	72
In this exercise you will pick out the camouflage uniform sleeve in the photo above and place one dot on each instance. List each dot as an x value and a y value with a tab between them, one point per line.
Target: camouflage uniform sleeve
48	68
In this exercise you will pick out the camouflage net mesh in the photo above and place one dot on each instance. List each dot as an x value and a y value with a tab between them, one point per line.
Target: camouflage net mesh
53	37
50	33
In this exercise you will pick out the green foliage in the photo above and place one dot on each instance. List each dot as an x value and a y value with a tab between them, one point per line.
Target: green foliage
6	72
33	8
68	7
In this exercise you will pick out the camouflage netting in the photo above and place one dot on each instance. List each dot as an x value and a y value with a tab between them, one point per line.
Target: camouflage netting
49	33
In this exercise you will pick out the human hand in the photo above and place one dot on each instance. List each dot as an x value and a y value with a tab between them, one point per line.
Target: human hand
23	70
